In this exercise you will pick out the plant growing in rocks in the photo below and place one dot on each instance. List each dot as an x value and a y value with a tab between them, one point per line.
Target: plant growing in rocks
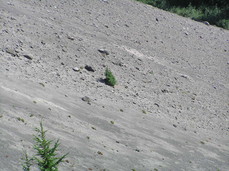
46	156
110	78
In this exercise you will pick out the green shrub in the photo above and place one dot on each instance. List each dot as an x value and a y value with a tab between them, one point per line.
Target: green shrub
216	12
46	157
223	23
110	79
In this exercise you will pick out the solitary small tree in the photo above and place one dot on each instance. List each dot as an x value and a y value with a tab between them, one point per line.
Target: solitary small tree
46	156
110	79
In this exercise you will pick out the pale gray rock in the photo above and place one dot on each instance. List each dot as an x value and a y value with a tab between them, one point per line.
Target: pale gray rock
76	69
86	99
11	51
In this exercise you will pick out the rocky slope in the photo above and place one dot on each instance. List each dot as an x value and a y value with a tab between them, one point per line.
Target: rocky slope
169	109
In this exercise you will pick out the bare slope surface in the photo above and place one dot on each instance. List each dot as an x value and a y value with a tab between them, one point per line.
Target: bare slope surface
169	109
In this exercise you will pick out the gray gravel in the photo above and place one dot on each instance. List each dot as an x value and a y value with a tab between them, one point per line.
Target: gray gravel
169	110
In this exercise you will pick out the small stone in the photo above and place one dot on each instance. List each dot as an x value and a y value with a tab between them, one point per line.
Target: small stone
156	104
137	150
90	68
174	125
64	49
104	1
11	51
28	57
71	38
93	128
206	23
164	91
100	153
103	52
76	69
86	99
119	63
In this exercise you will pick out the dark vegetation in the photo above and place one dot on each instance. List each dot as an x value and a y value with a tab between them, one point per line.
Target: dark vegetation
110	78
216	12
46	155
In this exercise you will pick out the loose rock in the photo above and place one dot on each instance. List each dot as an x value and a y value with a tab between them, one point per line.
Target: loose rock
12	52
86	99
71	38
90	68
76	69
28	57
103	52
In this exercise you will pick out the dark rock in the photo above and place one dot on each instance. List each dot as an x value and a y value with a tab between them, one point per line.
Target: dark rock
90	68
100	153
137	150
156	104
164	91
103	52
28	57
93	128
71	38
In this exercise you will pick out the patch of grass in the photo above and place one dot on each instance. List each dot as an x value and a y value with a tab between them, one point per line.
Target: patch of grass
46	157
143	111
20	119
110	78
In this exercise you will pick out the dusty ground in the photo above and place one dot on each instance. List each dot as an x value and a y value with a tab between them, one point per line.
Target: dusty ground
169	109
